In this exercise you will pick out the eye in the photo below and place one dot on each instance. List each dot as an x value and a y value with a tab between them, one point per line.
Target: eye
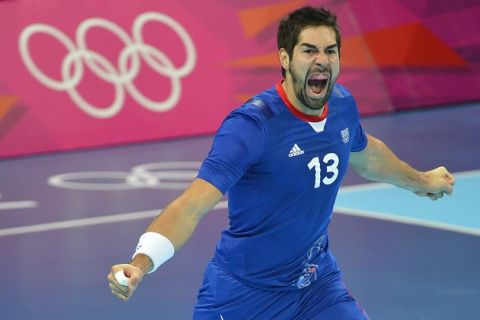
310	51
331	51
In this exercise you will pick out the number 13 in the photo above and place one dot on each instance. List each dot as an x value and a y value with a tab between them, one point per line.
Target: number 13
331	160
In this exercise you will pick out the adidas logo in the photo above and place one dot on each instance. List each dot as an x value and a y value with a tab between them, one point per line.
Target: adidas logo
296	151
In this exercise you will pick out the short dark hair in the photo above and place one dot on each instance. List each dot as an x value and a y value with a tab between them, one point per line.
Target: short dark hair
290	28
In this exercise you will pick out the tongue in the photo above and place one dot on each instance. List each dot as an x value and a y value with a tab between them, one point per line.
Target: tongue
316	88
317	82
316	85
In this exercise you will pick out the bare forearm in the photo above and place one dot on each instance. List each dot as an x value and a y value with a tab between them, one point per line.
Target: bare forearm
381	164
173	223
377	162
179	219
177	222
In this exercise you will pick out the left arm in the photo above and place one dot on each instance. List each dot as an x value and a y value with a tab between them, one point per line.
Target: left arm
377	162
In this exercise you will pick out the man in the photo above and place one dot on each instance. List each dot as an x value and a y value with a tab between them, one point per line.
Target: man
281	158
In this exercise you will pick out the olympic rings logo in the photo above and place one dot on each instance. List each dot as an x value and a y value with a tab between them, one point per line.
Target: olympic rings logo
157	175
122	75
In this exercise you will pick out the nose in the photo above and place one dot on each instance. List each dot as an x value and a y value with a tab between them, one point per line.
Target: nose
321	59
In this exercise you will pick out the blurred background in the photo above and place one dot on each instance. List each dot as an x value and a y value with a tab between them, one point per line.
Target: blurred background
97	73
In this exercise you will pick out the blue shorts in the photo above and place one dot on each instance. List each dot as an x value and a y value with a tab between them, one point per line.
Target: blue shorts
223	297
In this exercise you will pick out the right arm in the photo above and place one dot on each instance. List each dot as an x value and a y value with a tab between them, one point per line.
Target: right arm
177	223
238	144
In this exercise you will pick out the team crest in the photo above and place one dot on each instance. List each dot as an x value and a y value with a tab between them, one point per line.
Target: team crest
345	135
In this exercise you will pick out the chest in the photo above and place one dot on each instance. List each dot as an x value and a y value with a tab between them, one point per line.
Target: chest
301	154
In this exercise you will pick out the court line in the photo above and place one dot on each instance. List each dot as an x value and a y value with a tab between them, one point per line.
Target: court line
59	225
406	220
380	185
18	205
399	219
222	205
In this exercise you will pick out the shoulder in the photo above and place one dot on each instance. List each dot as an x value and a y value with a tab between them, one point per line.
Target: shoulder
340	92
260	108
343	97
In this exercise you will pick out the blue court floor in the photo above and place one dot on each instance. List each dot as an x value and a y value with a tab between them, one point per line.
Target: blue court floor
65	218
452	213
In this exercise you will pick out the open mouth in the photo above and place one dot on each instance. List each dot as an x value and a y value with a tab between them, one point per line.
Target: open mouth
317	83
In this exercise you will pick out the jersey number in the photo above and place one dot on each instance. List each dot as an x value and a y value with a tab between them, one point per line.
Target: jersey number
331	160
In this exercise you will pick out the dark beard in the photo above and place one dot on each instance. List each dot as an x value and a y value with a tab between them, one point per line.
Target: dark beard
300	89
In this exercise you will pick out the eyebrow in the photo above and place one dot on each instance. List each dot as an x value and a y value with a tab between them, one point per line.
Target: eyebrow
309	45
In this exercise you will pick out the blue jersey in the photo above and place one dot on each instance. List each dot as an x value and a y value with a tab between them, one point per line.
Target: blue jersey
282	171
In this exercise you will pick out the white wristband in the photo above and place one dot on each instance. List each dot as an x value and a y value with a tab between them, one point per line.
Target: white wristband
158	248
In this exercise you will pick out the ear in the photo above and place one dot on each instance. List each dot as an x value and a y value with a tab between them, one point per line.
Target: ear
284	58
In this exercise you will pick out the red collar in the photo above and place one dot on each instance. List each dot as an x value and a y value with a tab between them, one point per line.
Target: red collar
298	114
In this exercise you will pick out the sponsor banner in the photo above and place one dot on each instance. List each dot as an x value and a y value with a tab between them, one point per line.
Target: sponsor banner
98	73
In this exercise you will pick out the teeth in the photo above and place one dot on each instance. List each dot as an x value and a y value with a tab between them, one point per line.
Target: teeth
319	77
